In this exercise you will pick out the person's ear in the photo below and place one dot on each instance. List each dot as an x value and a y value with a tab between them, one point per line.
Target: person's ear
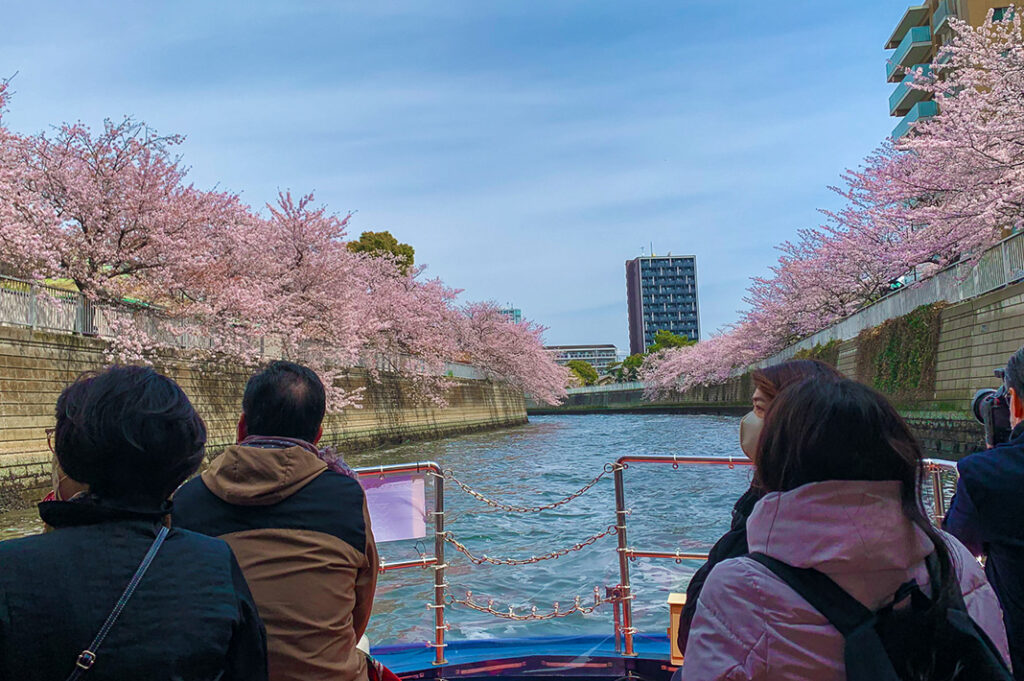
1016	406
243	430
319	434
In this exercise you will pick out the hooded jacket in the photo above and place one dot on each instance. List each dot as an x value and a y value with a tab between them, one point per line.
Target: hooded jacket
302	536
751	625
191	618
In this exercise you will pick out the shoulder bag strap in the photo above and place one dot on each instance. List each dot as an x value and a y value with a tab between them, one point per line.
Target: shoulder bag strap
87	658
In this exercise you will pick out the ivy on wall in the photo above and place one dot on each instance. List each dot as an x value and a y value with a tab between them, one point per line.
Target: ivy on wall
898	356
827	353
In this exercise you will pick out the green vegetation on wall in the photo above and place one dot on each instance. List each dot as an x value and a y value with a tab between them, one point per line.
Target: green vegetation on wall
898	357
827	353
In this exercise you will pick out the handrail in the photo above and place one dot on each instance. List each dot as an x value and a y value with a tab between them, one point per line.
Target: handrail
437	560
41	306
933	468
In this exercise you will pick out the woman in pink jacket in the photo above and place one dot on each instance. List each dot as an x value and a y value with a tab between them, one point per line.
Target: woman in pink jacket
841	470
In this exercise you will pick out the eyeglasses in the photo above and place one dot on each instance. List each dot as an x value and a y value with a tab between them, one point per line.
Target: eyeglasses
50	432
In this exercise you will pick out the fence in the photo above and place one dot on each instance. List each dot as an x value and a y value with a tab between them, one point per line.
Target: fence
999	266
50	308
619	596
607	388
933	467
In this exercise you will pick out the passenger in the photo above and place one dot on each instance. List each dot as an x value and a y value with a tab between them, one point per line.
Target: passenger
132	436
987	513
841	470
768	382
300	530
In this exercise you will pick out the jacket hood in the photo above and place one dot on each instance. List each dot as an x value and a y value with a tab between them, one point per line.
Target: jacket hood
838	527
260	476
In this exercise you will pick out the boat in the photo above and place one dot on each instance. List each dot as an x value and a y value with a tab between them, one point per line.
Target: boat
623	653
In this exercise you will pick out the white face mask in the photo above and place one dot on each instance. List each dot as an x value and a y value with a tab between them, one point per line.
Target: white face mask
750	432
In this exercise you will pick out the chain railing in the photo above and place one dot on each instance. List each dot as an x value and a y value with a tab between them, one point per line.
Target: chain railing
620	595
533	615
933	469
551	555
479	496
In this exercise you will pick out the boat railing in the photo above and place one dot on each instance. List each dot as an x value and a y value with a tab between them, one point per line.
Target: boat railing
621	595
435	562
933	468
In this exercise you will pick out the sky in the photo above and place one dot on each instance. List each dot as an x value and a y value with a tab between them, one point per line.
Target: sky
526	149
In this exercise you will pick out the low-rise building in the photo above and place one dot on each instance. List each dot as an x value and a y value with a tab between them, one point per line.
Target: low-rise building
598	356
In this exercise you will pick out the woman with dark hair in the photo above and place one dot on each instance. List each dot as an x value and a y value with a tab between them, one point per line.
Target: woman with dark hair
841	471
768	382
113	592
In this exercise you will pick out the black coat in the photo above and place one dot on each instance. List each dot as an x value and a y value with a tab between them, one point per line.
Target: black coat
192	617
987	516
731	545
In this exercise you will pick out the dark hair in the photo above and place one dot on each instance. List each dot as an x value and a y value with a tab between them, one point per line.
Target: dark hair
129	433
1013	375
772	380
285	399
842	430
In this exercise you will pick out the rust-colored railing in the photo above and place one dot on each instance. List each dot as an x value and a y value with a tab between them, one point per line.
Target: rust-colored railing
934	468
437	560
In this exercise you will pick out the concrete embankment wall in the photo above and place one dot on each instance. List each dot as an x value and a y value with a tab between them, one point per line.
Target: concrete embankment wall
35	366
974	337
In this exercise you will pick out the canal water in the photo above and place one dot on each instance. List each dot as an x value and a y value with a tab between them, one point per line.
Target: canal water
536	464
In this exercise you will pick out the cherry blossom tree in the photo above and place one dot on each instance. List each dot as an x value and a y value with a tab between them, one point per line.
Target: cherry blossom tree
112	212
511	352
939	195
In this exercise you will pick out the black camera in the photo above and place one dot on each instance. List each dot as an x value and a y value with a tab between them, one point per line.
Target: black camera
992	409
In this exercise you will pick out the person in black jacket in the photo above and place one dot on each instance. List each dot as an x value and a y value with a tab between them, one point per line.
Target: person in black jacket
132	436
987	513
768	383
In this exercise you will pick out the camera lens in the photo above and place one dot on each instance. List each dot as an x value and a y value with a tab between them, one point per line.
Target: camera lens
978	402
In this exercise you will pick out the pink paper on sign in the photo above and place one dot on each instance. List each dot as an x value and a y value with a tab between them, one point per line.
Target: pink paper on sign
397	506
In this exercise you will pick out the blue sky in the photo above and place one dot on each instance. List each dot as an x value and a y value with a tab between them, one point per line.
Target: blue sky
526	149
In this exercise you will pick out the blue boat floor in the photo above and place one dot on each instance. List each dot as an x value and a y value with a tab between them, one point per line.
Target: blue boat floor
409	657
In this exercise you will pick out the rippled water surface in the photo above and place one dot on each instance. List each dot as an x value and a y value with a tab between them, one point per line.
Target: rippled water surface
536	464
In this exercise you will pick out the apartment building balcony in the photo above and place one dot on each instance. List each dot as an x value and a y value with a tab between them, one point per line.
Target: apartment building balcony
915	48
905	96
914	16
918	112
945	10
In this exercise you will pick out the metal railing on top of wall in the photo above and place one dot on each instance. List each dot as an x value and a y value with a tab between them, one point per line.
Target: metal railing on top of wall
51	308
999	266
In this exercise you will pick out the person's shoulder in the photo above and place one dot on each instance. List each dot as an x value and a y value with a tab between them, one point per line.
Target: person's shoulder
198	544
996	464
333	483
191	488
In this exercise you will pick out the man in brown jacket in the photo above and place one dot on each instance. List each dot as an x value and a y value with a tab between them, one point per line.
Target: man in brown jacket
299	528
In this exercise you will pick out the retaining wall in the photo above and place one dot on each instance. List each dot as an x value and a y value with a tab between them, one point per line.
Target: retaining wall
976	336
35	366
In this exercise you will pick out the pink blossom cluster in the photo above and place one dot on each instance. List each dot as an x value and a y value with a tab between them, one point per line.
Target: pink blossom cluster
112	212
942	194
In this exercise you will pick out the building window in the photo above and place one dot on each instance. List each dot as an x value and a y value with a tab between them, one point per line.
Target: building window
1000	13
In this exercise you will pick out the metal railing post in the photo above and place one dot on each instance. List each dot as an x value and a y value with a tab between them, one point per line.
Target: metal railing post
439	568
627	594
33	313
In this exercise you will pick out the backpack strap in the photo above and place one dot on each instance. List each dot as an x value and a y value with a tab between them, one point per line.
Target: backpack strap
865	655
843	611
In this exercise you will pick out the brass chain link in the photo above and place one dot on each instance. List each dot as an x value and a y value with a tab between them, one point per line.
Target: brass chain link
533	615
480	560
608	468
